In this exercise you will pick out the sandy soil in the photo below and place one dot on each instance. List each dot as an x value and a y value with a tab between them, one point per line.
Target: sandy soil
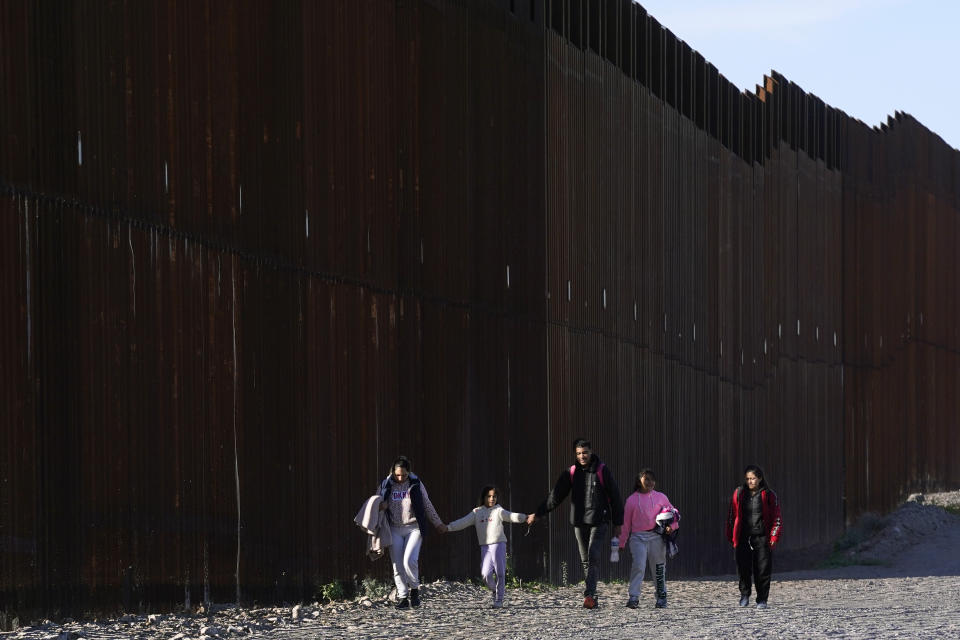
915	594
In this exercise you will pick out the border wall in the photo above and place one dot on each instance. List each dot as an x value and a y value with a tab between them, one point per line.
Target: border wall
250	252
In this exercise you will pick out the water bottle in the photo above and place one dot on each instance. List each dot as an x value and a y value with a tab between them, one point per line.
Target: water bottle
614	549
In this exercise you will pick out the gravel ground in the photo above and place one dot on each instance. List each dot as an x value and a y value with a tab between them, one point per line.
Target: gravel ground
914	594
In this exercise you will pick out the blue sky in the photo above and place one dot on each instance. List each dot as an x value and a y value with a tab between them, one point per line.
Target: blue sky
867	58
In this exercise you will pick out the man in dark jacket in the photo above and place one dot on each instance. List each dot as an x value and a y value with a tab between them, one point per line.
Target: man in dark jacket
594	502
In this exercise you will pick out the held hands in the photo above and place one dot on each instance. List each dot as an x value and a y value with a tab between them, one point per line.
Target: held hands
442	528
531	519
616	531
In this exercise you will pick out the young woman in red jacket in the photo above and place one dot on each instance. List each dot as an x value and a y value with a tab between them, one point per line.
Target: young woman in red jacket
753	528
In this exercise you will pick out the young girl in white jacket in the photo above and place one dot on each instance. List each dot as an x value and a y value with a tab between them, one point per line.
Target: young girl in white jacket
488	519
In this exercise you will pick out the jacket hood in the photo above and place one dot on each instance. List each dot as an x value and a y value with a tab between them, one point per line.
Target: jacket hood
388	481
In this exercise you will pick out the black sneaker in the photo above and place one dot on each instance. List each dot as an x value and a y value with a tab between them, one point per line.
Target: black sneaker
661	603
414	598
633	603
403	604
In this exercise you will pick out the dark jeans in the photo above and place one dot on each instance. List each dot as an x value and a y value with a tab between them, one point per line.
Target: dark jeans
591	540
754	561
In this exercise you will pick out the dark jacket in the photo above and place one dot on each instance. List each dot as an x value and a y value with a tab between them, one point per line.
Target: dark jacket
416	499
771	516
591	502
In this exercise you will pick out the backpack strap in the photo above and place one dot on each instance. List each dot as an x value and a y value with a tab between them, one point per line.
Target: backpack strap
573	468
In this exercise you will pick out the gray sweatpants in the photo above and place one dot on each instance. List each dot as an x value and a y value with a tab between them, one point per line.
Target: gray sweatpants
648	550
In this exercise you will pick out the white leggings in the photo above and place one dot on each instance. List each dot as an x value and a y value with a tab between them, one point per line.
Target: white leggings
405	554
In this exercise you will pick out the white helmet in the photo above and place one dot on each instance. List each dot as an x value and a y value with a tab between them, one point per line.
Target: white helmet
667	517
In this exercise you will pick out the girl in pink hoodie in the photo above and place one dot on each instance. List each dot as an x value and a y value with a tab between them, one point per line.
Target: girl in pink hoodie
647	546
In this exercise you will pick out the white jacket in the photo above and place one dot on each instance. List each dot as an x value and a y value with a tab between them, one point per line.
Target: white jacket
489	523
376	525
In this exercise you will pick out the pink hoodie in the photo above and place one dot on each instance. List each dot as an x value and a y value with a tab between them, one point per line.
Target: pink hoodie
640	513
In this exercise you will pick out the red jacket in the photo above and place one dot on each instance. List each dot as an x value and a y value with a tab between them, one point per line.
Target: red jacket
771	516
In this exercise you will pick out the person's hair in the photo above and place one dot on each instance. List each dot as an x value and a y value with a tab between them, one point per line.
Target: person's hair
581	443
643	472
401	461
482	502
757	471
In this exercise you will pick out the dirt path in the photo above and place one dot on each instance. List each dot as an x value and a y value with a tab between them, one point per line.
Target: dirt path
840	603
835	605
915	595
